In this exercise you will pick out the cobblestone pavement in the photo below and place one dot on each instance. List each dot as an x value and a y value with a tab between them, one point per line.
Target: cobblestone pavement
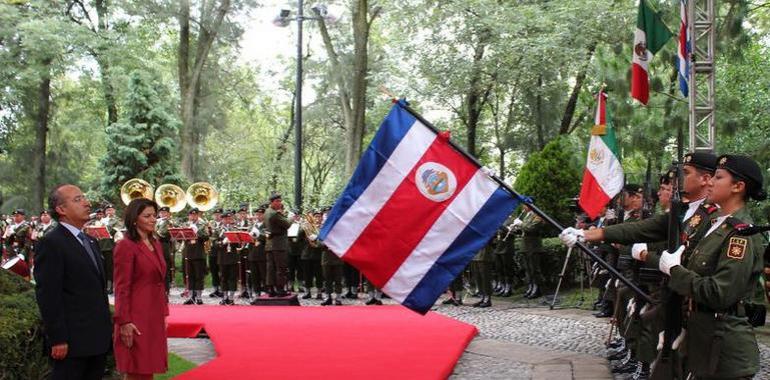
517	340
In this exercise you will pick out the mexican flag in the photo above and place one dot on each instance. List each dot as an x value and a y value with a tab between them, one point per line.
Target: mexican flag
603	175
651	34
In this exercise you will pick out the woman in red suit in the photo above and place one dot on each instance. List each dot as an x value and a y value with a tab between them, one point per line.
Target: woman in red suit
141	304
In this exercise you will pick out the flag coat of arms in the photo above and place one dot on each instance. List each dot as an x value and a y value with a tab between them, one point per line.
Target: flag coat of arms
603	175
650	36
415	211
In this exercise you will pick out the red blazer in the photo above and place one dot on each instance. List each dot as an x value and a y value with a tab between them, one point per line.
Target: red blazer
140	298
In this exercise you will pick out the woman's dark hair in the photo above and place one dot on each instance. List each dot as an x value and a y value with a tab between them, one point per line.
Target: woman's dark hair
132	215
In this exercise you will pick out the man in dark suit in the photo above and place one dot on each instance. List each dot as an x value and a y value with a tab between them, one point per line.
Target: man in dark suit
70	289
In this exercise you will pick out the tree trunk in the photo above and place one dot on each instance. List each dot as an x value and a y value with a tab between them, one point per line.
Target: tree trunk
539	114
190	75
41	136
355	132
474	98
569	110
104	65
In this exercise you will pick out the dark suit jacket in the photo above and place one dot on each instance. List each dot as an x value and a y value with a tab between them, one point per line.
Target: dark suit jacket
71	295
277	225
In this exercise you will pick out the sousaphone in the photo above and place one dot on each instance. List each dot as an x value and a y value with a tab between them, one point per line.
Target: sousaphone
202	195
171	196
135	188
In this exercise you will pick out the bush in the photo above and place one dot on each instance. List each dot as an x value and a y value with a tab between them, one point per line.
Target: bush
552	176
551	262
21	336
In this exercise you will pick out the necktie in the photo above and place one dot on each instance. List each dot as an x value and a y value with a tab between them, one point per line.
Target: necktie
87	245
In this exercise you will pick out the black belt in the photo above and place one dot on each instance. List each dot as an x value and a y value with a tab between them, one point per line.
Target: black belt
737	309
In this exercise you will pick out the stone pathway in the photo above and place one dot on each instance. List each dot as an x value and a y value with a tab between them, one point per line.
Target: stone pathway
518	339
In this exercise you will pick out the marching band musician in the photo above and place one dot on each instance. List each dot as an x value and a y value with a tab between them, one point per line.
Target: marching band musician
44	225
311	256
163	224
228	259
216	250
277	225
17	235
195	256
113	224
256	253
243	224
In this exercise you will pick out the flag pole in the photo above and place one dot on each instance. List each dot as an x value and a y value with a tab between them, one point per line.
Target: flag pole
614	272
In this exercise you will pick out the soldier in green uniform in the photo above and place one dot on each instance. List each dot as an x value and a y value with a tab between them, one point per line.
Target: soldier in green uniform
276	226
481	267
106	246
162	225
256	255
532	230
216	248
721	276
504	250
228	260
18	235
332	272
44	225
195	256
243	224
296	246
698	169
311	258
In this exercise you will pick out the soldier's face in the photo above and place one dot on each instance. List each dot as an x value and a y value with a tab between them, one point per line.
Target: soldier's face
724	186
110	212
664	195
45	218
192	217
18	218
260	216
163	214
695	182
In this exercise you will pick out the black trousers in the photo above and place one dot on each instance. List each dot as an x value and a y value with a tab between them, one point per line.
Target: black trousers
295	269
333	277
277	271
197	272
107	256
312	273
229	279
256	275
352	277
216	281
83	368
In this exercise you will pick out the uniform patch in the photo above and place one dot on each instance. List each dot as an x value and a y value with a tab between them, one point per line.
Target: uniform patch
737	248
695	221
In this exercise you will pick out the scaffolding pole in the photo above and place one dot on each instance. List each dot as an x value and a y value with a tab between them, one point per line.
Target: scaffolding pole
702	75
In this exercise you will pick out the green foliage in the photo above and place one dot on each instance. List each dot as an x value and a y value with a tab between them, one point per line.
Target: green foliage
143	144
551	176
176	366
21	339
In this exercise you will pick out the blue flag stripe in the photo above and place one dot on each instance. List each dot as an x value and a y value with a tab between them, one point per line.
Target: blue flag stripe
392	130
453	261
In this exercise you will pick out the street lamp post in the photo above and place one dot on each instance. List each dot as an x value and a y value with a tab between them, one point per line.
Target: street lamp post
283	20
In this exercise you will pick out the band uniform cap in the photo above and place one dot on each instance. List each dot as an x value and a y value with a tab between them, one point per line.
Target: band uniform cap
633	188
227	214
98	210
109	205
668	177
318	211
747	169
19	211
275	196
701	160
193	210
260	209
164	208
218	210
44	212
243	209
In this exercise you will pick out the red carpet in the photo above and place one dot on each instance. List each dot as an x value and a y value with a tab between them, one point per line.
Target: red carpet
342	342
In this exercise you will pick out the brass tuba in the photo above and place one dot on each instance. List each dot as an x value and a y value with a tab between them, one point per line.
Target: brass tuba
202	195
171	196
135	188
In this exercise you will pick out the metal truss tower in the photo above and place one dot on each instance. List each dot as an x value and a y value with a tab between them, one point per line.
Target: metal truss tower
701	14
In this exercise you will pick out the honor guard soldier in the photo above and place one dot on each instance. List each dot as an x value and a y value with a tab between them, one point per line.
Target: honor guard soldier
311	256
195	256
481	267
162	225
719	279
277	226
216	248
228	259
532	229
256	255
18	235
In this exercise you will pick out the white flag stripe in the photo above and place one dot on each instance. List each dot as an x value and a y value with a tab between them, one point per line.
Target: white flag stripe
408	152
441	235
641	36
608	173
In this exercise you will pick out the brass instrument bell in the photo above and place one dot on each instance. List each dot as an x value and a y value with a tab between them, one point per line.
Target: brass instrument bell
202	195
135	188
171	196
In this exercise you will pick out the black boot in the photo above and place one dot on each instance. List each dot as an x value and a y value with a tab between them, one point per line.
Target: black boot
606	311
486	302
306	296
507	290
327	301
535	292
480	302
529	291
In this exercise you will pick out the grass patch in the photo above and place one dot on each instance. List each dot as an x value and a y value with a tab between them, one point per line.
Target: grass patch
176	366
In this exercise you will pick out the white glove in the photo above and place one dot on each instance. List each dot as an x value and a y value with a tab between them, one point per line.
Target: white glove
608	284
516	222
194	228
637	249
313	237
676	343
661	336
570	236
670	260
631	307
610	214
225	241
617	282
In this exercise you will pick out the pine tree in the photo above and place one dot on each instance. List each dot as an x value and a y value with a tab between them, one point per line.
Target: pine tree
143	143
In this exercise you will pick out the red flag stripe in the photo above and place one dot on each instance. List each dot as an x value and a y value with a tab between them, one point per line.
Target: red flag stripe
640	86
592	196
